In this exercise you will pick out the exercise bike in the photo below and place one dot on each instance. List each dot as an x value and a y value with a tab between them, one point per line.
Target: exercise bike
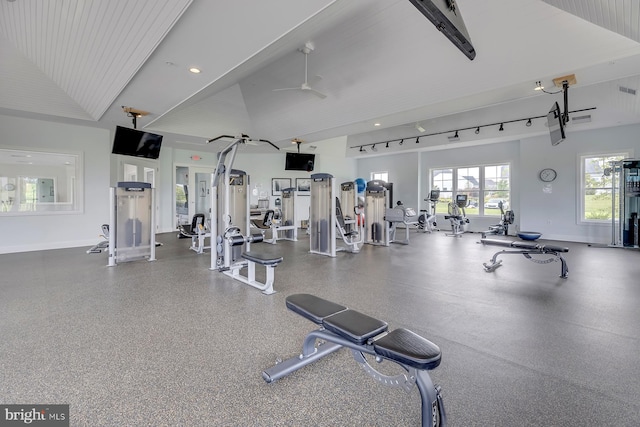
427	219
457	216
506	218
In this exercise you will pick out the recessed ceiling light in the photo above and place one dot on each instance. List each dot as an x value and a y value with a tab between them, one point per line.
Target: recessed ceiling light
195	70
376	124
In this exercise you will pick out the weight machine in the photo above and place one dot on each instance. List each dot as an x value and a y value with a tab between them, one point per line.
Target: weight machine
230	222
625	177
326	216
375	209
132	223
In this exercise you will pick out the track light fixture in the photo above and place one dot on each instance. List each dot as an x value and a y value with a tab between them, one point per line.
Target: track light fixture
527	120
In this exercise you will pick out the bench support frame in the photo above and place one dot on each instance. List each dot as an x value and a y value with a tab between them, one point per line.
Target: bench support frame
433	413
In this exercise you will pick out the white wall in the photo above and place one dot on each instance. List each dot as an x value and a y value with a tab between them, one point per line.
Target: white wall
404	174
26	233
555	214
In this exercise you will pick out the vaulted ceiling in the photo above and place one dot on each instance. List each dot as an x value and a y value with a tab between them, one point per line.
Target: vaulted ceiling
378	61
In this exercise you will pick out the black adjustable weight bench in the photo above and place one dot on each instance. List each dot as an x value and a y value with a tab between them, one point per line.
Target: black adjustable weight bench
364	335
527	249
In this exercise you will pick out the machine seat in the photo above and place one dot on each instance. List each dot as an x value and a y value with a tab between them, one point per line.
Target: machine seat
262	259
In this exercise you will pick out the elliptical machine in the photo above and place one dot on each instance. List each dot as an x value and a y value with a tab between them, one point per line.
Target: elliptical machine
457	215
506	218
427	218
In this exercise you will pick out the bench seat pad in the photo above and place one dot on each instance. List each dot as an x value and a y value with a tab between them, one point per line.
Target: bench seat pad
402	345
312	307
354	326
261	259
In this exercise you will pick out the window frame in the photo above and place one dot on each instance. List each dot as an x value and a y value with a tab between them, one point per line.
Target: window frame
581	184
481	187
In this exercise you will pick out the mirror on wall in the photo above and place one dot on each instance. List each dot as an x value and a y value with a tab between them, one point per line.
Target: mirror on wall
36	182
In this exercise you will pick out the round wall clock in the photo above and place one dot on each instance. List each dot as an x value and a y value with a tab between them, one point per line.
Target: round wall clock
548	175
9	187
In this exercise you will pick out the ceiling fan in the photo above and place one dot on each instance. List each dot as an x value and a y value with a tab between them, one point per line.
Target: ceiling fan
305	87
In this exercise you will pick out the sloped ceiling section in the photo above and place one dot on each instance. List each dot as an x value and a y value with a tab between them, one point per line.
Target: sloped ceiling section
24	87
90	50
619	16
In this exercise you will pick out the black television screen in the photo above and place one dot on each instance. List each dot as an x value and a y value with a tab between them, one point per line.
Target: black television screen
300	162
555	124
132	142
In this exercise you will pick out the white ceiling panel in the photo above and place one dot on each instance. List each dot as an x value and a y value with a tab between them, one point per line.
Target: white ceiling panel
90	49
378	61
620	16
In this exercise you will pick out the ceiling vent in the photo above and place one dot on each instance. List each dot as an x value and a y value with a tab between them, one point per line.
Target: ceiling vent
581	119
627	90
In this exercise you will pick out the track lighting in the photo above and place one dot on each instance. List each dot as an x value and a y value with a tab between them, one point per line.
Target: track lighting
527	120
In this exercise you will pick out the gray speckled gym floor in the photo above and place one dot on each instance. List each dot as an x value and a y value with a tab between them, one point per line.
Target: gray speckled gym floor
170	343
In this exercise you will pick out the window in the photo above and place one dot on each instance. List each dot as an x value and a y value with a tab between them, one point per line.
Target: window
485	187
380	176
597	191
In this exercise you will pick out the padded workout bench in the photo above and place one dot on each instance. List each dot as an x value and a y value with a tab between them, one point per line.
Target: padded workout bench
527	249
250	278
342	327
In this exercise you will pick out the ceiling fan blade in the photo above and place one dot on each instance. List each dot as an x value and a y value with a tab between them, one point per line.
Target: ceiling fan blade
316	93
286	88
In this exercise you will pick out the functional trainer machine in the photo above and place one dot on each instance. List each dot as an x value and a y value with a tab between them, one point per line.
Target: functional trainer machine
530	251
457	216
326	216
132	223
230	222
342	327
625	227
376	201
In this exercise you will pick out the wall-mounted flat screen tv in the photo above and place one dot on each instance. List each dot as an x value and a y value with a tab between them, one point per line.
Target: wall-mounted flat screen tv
555	124
132	142
300	162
